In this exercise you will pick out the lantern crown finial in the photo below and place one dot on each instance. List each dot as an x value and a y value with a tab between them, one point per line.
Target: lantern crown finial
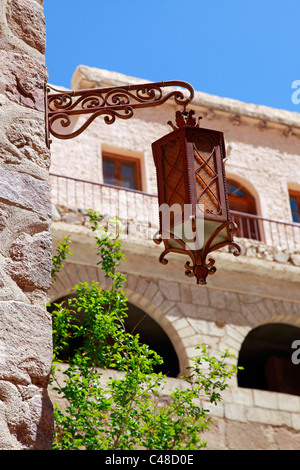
185	119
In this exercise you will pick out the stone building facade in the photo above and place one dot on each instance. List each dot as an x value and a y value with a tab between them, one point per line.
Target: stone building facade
252	303
26	418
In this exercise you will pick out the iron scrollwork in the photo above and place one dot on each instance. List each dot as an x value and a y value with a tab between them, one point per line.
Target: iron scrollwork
112	103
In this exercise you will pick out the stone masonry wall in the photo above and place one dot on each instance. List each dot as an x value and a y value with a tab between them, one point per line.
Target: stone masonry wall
25	240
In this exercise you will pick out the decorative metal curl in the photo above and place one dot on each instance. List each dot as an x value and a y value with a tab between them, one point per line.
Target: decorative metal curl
198	266
113	102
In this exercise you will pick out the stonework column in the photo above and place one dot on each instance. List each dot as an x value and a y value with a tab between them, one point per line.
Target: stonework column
26	419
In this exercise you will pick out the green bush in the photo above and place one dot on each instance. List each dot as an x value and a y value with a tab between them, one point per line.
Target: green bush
125	412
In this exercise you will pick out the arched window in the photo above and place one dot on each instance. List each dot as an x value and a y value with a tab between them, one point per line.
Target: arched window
241	201
150	332
266	356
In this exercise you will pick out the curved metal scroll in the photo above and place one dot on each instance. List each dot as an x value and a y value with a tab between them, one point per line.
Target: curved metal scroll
112	103
200	268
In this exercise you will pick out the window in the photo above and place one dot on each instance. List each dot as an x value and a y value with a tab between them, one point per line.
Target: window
295	206
121	171
240	200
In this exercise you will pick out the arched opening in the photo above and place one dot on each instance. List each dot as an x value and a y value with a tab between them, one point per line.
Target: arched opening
266	356
150	332
155	337
241	201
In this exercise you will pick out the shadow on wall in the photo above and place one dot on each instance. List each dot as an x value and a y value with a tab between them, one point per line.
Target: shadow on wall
266	355
151	333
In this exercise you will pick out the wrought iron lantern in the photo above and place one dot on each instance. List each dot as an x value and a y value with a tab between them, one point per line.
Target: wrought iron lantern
194	213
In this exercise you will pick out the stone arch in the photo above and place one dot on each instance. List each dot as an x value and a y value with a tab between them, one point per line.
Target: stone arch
143	293
266	355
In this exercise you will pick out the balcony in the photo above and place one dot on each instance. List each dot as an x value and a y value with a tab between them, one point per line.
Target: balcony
138	211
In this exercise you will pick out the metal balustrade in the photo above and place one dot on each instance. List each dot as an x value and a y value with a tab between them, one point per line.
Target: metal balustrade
279	233
138	211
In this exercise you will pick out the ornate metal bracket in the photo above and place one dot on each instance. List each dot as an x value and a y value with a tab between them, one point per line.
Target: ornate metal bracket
112	103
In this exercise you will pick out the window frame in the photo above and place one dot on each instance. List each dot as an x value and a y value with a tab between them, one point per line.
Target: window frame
118	160
295	195
242	201
245	201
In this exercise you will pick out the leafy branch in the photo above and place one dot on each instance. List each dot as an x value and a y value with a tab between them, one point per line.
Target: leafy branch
124	412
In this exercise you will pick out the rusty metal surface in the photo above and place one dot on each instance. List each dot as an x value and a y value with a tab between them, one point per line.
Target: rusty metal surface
191	173
111	103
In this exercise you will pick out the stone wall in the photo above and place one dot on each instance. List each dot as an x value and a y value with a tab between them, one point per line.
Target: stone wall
25	242
243	420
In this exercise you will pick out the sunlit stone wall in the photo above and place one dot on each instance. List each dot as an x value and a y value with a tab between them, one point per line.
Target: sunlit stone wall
25	243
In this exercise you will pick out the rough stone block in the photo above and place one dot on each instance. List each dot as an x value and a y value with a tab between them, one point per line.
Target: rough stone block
168	306
199	326
217	298
268	416
22	79
170	290
158	299
27	327
25	191
188	310
141	286
281	257
235	412
9	290
287	439
288	402
180	323
248	436
27	135
26	20
296	421
189	338
199	295
151	290
30	261
295	259
242	396
185	293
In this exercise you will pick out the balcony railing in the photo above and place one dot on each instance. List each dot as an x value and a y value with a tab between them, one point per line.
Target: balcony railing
285	235
138	211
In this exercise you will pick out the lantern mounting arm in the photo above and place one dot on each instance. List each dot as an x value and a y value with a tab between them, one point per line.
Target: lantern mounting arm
111	102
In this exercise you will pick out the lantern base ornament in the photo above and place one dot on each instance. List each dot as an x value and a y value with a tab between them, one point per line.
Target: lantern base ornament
199	266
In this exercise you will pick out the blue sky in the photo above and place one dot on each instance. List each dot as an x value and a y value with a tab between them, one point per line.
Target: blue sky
247	50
